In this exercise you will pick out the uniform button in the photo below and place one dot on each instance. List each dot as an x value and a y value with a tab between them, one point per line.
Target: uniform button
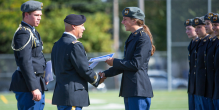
213	55
194	66
194	72
195	59
205	68
35	72
189	54
204	61
189	72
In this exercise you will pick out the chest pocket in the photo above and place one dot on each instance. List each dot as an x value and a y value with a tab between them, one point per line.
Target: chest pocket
37	48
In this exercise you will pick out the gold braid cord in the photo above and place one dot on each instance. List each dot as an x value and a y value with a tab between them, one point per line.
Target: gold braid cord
31	37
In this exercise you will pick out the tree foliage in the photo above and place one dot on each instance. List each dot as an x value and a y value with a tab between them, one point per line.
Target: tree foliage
99	13
96	37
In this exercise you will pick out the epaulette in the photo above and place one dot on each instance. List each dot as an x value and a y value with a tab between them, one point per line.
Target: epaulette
74	42
197	39
141	32
218	37
25	28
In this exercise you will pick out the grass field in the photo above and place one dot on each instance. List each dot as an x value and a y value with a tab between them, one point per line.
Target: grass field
162	100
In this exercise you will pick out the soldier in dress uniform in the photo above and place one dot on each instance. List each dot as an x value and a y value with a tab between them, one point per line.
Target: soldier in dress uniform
135	85
215	23
209	60
71	67
190	31
27	81
200	91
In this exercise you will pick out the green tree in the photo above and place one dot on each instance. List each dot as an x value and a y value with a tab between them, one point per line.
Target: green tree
96	37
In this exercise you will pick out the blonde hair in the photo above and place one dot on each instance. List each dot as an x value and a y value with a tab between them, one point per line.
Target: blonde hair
147	30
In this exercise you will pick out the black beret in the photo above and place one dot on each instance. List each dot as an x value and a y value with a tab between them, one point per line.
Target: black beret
133	12
208	16
198	21
31	6
215	18
75	19
188	22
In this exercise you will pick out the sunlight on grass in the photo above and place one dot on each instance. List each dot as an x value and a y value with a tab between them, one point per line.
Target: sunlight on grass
110	100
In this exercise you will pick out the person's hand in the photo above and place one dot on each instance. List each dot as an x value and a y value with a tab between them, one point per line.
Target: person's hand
109	61
36	95
47	83
102	80
102	75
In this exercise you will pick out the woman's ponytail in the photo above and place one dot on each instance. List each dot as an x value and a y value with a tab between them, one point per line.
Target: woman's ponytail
147	30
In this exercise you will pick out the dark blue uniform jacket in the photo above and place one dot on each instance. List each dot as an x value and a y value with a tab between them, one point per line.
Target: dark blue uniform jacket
216	66
71	67
31	62
209	59
201	68
192	69
134	66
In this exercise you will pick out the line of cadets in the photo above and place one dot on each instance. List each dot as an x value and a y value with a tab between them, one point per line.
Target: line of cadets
203	82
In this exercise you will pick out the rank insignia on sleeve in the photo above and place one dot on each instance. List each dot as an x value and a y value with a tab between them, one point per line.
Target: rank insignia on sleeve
95	77
205	40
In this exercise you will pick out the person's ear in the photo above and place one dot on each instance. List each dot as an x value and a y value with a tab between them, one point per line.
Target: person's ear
134	20
73	26
26	14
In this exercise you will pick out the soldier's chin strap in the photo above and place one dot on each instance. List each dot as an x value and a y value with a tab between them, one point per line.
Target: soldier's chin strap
31	37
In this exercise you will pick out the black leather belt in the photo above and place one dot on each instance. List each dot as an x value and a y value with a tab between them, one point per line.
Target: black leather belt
40	74
37	74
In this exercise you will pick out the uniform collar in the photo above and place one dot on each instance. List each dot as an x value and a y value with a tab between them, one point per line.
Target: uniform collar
137	30
70	34
24	23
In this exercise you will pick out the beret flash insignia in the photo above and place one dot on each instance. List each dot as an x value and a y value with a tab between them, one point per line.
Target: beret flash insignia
215	18
210	15
187	22
196	21
41	5
126	12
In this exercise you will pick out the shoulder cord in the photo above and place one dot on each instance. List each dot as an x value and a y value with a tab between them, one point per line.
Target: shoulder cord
31	37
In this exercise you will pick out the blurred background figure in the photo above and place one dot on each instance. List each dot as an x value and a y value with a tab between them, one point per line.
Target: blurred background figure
190	31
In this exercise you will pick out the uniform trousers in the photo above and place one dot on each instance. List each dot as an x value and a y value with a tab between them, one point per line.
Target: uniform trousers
191	101
216	104
210	104
137	103
201	103
64	107
25	102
